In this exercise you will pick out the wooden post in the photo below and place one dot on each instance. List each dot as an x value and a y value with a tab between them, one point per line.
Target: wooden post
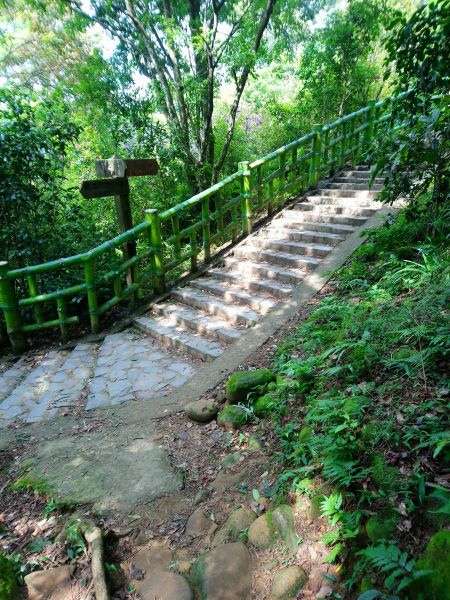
157	258
11	311
206	227
246	188
370	122
314	163
89	278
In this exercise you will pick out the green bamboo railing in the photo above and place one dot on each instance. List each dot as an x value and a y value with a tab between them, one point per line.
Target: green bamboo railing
190	232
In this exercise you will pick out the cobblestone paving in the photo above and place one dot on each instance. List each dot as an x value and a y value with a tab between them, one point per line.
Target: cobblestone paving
130	367
10	378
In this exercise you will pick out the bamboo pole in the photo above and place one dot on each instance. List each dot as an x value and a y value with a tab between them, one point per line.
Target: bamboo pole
314	163
343	145
37	308
89	277
157	258
370	121
281	180
11	311
246	188
62	316
206	229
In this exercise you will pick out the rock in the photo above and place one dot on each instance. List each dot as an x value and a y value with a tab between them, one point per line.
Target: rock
325	592
264	405
224	480
254	443
183	567
270	565
232	417
223	573
380	527
241	383
202	496
52	584
197	524
231	459
283	520
151	560
288	582
221	398
435	585
237	522
201	411
9	590
164	586
315	506
261	532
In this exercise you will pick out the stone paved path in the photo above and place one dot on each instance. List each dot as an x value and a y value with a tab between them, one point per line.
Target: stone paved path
199	321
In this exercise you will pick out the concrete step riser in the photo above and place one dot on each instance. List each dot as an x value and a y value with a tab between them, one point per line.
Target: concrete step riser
275	258
336	185
231	295
253	285
359	180
318	227
174	343
214	309
310	217
300	236
349	193
344	202
263	270
285	247
336	210
194	325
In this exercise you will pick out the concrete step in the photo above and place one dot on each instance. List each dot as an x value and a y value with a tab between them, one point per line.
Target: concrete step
178	337
297	216
286	259
349	193
199	321
357	211
254	284
266	270
358	180
298	235
307	249
351	185
11	377
297	223
213	306
346	202
234	294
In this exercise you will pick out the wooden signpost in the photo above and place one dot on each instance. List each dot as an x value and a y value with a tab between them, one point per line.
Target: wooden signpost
117	171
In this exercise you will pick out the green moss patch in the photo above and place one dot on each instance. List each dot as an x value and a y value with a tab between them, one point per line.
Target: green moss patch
242	383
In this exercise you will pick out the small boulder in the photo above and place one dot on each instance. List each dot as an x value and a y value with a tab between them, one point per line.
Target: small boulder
202	496
164	586
152	559
315	506
223	573
231	459
201	411
380	527
197	524
304	434
436	558
241	383
288	582
232	417
261	532
263	405
254	443
237	522
51	584
283	520
224	480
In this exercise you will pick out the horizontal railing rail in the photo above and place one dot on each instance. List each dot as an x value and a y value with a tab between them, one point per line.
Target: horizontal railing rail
177	240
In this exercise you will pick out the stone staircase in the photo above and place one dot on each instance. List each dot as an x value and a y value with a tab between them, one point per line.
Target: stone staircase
198	321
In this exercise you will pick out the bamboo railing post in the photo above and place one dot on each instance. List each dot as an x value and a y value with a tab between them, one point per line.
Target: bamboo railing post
206	227
326	153
62	316
370	122
352	141
218	203
259	181
193	243
315	161
37	307
11	311
281	180
89	278
343	145
246	189
157	258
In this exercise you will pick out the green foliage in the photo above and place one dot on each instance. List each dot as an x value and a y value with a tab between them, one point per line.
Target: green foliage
8	584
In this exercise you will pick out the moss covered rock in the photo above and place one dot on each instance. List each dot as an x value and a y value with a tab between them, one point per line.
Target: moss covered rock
436	585
305	434
288	582
283	520
237	523
232	417
9	590
264	405
261	532
315	507
241	383
380	527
